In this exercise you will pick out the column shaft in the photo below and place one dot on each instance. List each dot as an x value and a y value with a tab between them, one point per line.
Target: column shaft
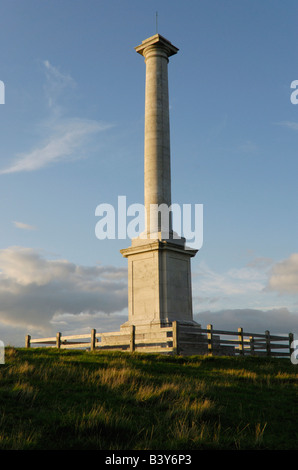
157	136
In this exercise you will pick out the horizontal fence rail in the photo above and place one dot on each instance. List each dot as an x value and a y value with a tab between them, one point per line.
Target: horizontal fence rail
197	340
175	338
155	340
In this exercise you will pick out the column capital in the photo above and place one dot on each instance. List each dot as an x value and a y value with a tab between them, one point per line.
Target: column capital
157	41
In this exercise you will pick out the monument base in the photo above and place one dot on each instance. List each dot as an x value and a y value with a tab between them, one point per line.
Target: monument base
159	282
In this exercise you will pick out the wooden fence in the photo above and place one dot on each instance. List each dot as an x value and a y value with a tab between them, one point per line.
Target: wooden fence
155	340
197	340
176	338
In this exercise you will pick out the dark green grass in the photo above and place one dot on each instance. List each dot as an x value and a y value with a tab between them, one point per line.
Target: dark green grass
80	400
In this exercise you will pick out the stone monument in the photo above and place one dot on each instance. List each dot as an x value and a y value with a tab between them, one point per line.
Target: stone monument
159	273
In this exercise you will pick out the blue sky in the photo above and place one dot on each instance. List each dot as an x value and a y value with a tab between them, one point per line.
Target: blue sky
72	130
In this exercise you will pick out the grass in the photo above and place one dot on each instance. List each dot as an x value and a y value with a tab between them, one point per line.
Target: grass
64	400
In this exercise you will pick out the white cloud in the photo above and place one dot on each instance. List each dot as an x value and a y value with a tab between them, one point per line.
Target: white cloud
256	286
35	290
284	276
24	226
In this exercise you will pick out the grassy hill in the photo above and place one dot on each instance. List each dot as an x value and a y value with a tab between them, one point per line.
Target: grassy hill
53	399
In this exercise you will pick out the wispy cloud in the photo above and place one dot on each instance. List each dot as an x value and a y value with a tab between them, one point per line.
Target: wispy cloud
66	142
66	138
248	147
234	282
23	226
289	125
56	84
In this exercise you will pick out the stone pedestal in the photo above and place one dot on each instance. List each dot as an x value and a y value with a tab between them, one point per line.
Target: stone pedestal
159	283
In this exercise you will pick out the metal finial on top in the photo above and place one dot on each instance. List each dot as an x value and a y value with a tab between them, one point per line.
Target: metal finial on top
156	19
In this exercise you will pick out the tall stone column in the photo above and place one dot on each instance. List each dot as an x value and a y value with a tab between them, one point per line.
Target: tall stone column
157	161
159	275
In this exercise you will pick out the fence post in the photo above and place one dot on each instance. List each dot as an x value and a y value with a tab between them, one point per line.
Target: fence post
291	339
267	337
176	337
210	340
58	340
93	339
252	345
132	338
240	339
27	341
